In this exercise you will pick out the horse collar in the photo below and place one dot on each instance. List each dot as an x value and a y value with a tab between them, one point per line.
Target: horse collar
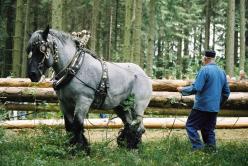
64	76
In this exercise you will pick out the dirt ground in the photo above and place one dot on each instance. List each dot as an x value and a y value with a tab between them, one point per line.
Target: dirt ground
110	135
155	134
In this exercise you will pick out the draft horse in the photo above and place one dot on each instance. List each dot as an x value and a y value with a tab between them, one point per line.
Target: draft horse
83	81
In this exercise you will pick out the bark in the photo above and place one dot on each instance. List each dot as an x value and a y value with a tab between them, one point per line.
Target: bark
18	39
24	94
158	85
137	32
207	24
57	14
25	40
237	100
150	123
151	36
179	58
127	32
10	14
54	107
94	23
242	35
230	38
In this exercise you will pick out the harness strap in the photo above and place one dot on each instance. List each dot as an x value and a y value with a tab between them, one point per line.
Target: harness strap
65	76
101	92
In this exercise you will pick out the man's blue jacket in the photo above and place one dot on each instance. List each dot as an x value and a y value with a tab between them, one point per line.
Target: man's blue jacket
210	88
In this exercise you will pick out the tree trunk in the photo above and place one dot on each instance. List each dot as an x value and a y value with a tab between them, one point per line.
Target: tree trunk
179	58
110	33
236	46
214	29
116	24
242	35
159	64
25	40
151	36
10	14
207	23
57	14
127	32
137	32
94	23
18	39
230	38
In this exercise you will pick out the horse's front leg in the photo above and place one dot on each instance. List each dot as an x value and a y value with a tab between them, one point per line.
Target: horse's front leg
68	112
81	110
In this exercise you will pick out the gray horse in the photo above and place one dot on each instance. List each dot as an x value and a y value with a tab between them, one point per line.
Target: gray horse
77	91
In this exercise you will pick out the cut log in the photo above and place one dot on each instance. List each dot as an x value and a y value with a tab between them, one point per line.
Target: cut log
237	100
24	82
158	85
54	107
171	85
150	123
25	94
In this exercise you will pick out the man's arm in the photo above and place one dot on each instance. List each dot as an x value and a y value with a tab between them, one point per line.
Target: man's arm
196	86
225	93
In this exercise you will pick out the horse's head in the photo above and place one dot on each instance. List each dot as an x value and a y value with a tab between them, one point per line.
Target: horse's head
41	54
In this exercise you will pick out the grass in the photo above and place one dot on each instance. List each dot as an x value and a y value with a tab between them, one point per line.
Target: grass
48	146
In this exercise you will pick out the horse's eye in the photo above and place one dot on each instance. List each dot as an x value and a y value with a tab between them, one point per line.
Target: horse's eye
43	48
30	55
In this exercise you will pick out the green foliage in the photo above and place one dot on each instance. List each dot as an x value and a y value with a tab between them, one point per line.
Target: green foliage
129	103
48	146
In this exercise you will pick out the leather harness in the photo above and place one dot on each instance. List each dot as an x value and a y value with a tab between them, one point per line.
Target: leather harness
66	75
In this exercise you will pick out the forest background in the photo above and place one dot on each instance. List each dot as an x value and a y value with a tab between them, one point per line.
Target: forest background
165	37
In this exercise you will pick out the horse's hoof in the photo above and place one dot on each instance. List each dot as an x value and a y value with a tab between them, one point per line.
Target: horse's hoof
73	141
121	139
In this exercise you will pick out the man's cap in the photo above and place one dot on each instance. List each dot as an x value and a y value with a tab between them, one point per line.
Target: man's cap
210	53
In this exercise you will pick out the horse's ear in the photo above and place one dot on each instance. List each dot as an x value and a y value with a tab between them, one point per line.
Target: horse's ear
45	33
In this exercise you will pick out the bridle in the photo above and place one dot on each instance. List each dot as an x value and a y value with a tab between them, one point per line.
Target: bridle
47	48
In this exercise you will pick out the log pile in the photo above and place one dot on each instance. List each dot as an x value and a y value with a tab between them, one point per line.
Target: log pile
22	94
237	100
158	85
54	107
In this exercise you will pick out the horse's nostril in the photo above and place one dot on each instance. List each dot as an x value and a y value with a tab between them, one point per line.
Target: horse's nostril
32	74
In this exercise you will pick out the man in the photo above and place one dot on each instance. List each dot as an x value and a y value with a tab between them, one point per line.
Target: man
211	91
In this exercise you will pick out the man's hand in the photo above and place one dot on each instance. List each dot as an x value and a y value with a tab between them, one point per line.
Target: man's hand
179	89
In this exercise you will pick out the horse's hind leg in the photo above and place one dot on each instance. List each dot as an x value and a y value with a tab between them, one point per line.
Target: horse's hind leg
137	126
131	135
126	118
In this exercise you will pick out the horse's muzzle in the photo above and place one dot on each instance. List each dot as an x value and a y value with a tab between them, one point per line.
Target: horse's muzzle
34	77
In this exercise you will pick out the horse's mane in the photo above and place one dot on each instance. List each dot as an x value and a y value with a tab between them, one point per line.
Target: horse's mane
37	36
62	36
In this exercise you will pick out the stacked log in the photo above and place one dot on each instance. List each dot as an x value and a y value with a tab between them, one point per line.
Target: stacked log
54	107
22	94
149	123
237	100
158	85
